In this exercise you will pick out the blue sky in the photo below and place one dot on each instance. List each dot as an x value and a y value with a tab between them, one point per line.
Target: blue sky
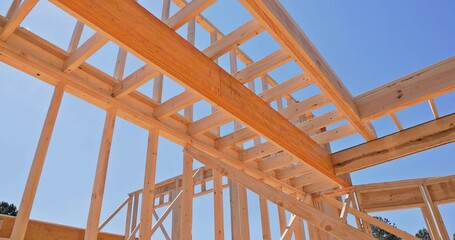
368	43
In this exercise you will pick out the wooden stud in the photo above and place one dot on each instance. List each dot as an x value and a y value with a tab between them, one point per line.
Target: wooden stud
430	222
396	121
145	231
265	219
434	110
443	234
218	205
91	231
28	197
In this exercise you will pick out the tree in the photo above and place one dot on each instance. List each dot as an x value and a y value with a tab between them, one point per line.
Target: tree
8	209
423	234
381	234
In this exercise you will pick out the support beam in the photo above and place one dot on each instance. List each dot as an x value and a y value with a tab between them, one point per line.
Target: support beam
289	229
17	17
145	230
419	138
218	205
286	31
247	74
91	231
218	87
326	223
28	197
187	198
425	84
442	230
265	219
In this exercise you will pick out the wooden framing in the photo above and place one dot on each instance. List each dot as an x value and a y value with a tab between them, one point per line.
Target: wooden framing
288	161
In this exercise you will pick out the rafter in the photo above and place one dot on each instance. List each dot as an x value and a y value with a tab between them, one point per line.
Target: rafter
425	84
419	138
285	30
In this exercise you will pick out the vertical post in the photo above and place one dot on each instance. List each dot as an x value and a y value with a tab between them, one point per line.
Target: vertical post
158	81
176	216
28	197
128	217
299	231
218	205
281	219
429	221
435	211
214	38
91	231
145	231
187	197
265	219
135	209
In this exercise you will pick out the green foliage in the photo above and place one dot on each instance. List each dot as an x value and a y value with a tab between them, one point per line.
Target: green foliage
8	209
381	234
423	234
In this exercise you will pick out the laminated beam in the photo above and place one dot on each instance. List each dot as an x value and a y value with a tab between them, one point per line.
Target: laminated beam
425	84
416	139
286	31
135	29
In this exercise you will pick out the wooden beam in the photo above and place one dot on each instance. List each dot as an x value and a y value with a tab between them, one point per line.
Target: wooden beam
326	223
425	84
286	31
28	197
76	37
17	17
218	87
419	138
214	51
289	230
247	74
91	231
145	230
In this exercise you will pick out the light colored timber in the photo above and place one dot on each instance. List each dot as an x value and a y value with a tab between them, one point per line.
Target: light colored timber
214	51
247	74
12	8
218	206
425	136
395	231
187	197
435	210
145	231
134	107
38	230
16	18
427	83
216	119
28	197
76	37
290	228
82	53
211	81
265	219
286	31
91	231
292	204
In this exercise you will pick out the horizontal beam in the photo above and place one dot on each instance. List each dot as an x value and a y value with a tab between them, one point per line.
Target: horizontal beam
286	31
425	84
416	139
135	29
